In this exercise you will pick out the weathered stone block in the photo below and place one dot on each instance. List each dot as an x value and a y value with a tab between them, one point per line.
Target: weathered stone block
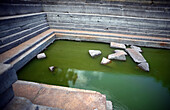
6	96
7	77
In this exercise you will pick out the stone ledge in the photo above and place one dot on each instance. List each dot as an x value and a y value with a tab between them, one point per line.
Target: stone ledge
60	97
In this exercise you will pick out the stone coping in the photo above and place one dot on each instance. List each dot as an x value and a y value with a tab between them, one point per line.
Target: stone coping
60	97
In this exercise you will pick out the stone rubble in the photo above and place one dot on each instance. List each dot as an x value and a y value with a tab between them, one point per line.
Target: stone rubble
120	51
144	66
117	56
135	55
136	48
94	53
117	45
105	61
41	56
52	68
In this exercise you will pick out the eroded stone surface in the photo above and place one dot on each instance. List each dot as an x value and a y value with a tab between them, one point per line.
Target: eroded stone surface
117	45
105	61
136	48
144	66
94	53
41	56
60	97
120	51
136	56
117	56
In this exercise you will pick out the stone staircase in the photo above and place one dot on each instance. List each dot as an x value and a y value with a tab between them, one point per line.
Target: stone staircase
27	27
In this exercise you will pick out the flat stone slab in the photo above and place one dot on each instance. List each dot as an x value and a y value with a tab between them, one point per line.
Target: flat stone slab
41	56
144	66
120	51
117	56
105	61
117	45
136	56
60	97
136	48
94	53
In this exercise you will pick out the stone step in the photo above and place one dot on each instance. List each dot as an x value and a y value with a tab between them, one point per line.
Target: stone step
140	11
11	55
60	97
20	28
123	2
108	34
21	103
21	34
10	22
119	38
107	20
125	27
13	44
113	29
15	9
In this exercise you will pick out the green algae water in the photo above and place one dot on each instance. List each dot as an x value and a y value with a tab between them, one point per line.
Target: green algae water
127	86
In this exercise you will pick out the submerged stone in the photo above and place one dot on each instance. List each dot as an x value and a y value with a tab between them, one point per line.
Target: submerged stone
52	68
41	56
120	51
117	45
117	56
94	53
144	66
105	61
136	56
136	48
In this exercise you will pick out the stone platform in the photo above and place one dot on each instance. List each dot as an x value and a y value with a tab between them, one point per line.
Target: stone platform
60	97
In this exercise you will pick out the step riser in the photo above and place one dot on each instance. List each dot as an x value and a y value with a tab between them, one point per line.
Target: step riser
124	41
8	61
109	10
104	20
20	22
14	9
17	42
18	29
22	34
112	36
131	31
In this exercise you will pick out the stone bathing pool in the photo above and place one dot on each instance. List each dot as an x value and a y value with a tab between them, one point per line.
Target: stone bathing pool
127	86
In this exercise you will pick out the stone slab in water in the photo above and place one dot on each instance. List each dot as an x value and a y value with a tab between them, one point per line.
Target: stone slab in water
144	66
41	56
136	56
51	68
117	56
120	51
117	45
109	105
105	61
136	48
94	53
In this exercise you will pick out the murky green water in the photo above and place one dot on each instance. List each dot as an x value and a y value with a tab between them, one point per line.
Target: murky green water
127	86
